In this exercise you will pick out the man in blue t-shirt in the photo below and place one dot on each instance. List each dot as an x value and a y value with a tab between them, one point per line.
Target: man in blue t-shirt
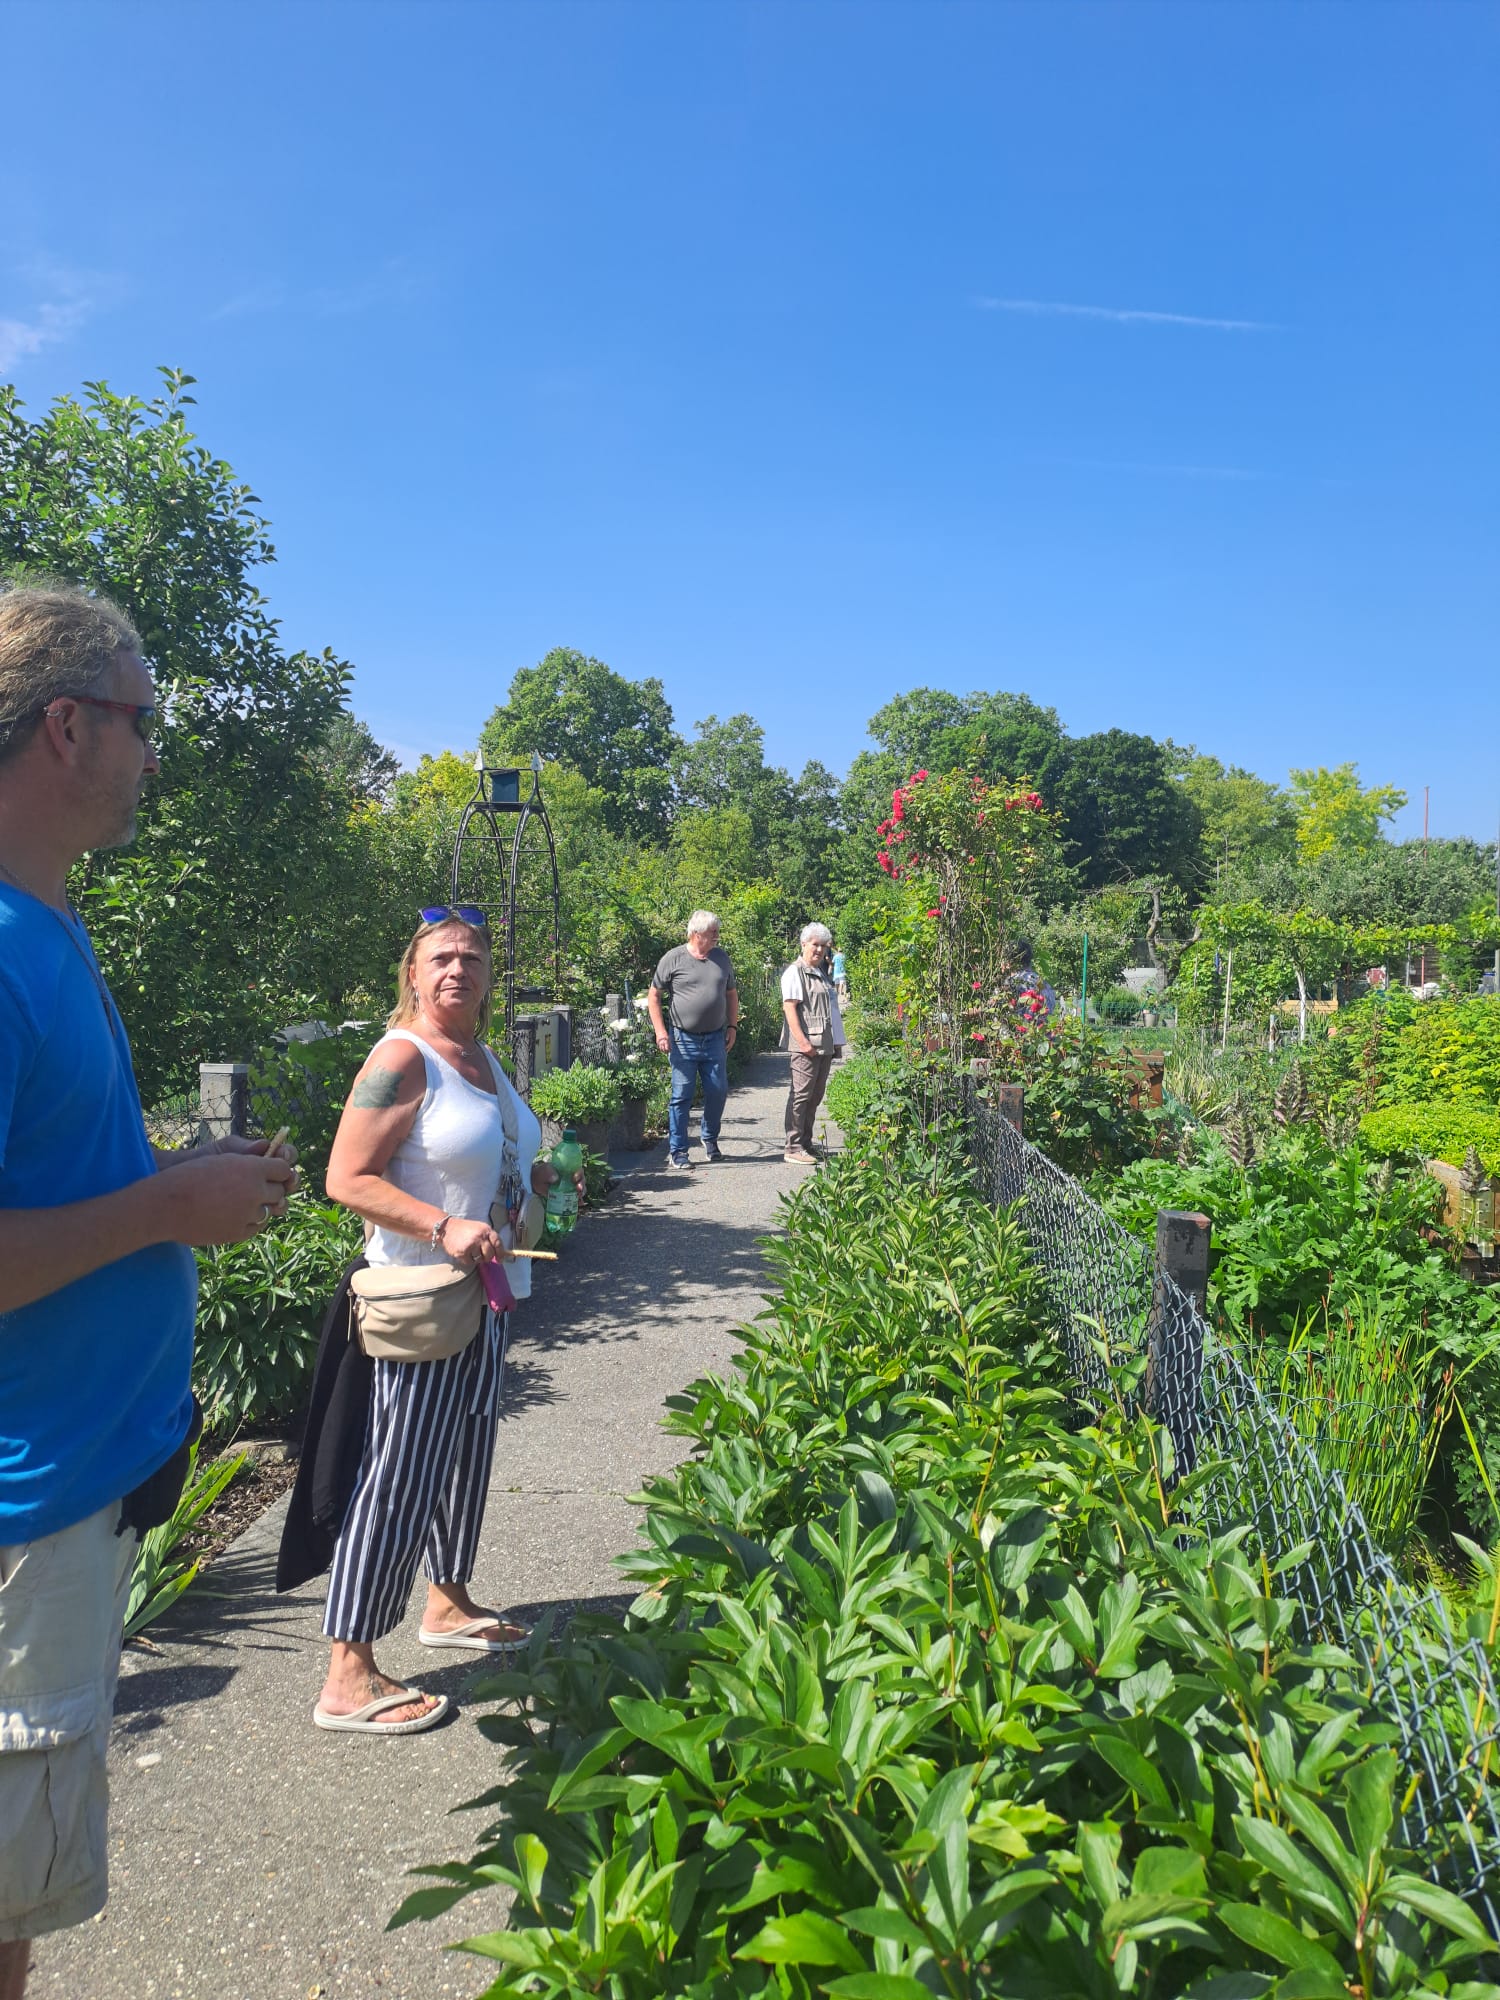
98	1285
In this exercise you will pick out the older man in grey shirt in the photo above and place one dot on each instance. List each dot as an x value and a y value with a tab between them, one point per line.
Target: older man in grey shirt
697	981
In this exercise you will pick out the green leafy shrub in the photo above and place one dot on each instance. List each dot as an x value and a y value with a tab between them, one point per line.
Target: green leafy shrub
1392	1049
870	1026
863	1086
1436	1131
925	1692
597	1178
586	1094
1119	1005
260	1308
159	1576
1077	1100
304	1087
640	1081
1446	1051
1309	1230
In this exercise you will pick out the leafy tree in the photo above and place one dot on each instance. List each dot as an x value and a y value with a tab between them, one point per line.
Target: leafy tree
1123	812
725	765
716	852
1398	881
1242	814
1335	811
1000	735
805	842
225	916
350	759
617	733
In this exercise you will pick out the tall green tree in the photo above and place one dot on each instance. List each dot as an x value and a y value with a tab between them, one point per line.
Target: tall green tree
618	734
229	913
1124	814
999	735
1334	811
1241	813
350	758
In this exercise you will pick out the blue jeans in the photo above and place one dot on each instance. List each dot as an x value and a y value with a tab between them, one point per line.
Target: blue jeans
695	1056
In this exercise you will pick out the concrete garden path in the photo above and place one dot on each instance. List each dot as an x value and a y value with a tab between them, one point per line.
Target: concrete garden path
255	1858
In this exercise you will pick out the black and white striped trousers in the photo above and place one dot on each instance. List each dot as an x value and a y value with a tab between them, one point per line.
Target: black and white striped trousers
429	1444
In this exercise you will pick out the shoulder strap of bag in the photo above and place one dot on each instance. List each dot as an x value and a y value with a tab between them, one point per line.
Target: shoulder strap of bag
510	1156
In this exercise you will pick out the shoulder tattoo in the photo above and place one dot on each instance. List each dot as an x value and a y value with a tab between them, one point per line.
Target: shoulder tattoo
376	1090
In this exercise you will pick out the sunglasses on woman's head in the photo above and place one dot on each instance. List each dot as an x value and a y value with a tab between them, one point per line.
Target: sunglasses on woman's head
466	913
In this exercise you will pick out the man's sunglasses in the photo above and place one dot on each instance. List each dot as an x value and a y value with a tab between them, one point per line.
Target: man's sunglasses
142	714
467	913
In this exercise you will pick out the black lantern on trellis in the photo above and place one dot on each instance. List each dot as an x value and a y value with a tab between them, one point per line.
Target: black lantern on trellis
509	871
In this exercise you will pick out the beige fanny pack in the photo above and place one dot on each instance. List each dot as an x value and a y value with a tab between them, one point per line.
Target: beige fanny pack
416	1312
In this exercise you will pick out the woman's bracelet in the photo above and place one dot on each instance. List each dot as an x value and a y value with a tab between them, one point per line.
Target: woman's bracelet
435	1240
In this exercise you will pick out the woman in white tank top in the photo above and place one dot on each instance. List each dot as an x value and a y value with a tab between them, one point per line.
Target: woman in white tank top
432	1137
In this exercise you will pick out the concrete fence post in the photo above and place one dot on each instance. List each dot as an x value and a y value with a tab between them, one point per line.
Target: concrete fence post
614	1008
524	1052
562	1037
1174	1346
224	1100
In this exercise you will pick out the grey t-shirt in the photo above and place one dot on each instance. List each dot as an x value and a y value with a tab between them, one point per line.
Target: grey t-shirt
697	989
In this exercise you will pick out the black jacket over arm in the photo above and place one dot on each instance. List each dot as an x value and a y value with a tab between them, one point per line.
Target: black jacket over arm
332	1446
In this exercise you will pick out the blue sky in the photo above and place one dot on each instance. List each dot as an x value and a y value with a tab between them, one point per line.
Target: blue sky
1140	357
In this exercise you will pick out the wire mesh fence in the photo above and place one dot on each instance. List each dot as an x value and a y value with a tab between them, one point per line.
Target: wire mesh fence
1131	1334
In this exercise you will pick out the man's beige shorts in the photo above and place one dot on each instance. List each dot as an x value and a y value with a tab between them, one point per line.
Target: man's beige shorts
62	1604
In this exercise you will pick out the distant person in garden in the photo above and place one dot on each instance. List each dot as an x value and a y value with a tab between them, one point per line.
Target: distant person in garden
840	971
98	1285
1032	1000
815	1031
435	1151
696	983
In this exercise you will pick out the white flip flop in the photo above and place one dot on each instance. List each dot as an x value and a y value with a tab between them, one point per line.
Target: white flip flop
465	1637
362	1721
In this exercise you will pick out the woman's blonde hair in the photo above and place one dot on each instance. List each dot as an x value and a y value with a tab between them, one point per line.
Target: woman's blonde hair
405	1009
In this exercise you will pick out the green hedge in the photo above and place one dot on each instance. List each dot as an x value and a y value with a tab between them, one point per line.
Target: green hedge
1436	1131
260	1308
928	1691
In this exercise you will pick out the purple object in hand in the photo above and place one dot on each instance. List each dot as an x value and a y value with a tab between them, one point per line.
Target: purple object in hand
496	1286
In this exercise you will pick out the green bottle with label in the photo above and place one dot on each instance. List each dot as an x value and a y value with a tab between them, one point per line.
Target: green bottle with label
566	1159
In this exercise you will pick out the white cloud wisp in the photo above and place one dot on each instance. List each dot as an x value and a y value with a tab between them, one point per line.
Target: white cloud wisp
1123	315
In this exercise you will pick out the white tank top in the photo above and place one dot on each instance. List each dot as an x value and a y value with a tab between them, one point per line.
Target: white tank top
453	1156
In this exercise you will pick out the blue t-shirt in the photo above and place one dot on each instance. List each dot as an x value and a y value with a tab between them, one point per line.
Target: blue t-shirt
838	965
94	1392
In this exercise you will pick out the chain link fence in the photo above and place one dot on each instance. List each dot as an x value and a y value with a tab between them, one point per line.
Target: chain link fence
1132	1335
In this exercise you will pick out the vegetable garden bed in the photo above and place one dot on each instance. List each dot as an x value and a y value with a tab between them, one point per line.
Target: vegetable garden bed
929	1690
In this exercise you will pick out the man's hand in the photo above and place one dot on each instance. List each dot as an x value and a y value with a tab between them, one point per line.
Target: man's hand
663	1040
258	1148
731	1034
224	1197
